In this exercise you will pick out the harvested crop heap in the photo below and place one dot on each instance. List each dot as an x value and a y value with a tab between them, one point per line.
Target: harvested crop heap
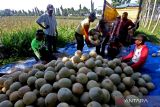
84	80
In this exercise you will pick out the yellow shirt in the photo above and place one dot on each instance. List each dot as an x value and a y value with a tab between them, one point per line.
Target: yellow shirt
81	26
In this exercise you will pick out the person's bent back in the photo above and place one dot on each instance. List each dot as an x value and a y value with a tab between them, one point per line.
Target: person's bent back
138	56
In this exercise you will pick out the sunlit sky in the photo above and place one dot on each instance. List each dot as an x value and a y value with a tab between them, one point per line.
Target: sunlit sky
41	4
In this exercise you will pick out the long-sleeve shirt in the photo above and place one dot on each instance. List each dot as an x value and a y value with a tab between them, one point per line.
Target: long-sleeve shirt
36	45
142	58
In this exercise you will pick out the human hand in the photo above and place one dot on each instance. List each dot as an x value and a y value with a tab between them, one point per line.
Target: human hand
47	26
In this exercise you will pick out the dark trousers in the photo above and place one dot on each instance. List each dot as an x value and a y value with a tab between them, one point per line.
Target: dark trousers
51	43
100	49
80	41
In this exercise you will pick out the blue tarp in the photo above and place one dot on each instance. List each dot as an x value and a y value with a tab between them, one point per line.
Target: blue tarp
151	67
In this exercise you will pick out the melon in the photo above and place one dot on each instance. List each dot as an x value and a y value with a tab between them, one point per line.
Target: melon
64	73
112	64
36	92
50	69
108	71
118	70
15	86
15	75
49	76
107	84
14	96
123	65
29	98
59	66
154	54
40	102
69	65
106	94
23	78
128	81
92	76
123	75
116	95
75	100
96	94
64	95
143	90
98	63
55	86
105	105
32	72
40	82
23	90
7	83
99	58
31	81
80	65
19	103
39	66
75	59
8	92
115	78
84	57
63	105
72	72
51	64
46	89
150	86
82	78
100	71
3	97
73	78
85	99
77	88
6	103
133	97
64	83
105	61
92	84
93	54
126	93
117	61
39	74
84	70
65	59
146	77
51	100
2	80
121	87
78	53
135	90
136	76
90	63
94	104
141	82
128	70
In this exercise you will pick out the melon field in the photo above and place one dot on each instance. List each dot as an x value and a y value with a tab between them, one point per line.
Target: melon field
18	32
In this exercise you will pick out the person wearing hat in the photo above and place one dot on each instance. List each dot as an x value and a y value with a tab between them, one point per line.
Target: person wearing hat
40	50
82	30
138	56
48	22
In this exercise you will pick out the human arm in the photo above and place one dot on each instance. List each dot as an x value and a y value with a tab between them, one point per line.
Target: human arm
128	57
142	59
85	29
131	24
41	20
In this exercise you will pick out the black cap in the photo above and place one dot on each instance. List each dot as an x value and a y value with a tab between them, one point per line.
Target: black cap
39	32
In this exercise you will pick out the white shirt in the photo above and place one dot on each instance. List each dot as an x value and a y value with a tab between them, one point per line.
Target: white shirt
48	20
80	28
137	54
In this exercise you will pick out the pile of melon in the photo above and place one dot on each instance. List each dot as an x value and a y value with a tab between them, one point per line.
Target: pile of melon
83	80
